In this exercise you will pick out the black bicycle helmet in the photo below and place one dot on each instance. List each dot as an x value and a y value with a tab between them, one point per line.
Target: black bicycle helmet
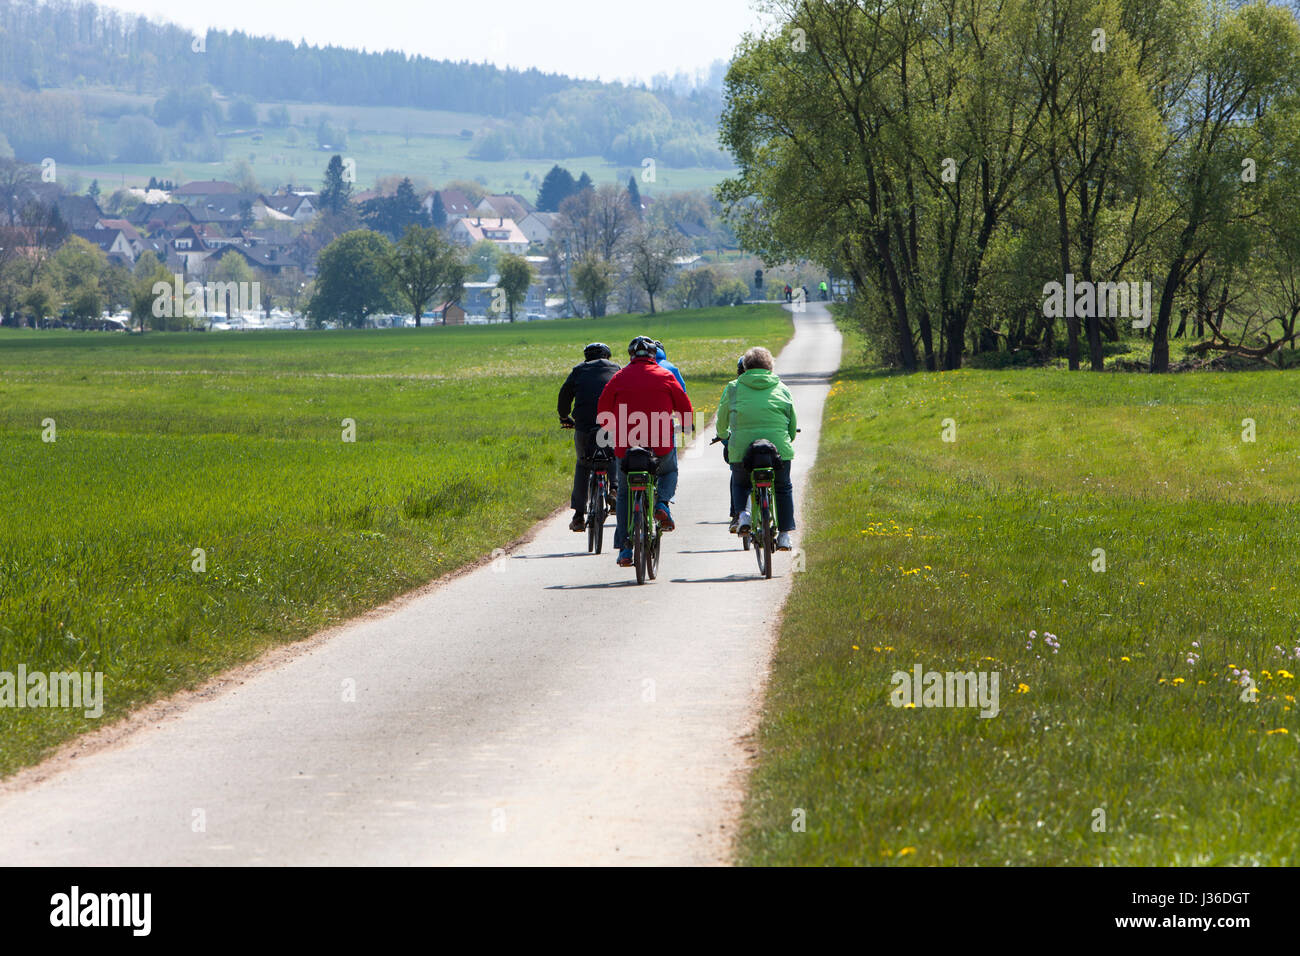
596	350
641	347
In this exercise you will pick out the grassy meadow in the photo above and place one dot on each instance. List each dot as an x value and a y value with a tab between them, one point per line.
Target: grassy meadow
1135	742
233	443
383	140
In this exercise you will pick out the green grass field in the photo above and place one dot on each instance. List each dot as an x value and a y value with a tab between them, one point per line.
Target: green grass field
947	554
233	443
385	141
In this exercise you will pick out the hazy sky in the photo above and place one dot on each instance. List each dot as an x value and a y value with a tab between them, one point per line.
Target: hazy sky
609	39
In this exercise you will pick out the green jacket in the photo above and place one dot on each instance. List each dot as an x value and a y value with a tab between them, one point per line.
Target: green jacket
756	405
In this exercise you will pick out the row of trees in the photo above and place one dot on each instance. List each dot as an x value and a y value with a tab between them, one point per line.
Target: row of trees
953	159
362	272
66	43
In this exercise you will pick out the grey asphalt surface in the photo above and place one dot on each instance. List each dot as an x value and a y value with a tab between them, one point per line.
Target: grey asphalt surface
542	709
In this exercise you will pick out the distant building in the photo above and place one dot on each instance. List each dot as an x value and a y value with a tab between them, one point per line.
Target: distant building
132	234
164	216
505	233
455	202
538	227
479	297
298	207
113	242
508	206
202	189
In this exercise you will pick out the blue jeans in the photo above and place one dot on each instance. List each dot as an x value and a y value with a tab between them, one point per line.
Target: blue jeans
665	488
740	489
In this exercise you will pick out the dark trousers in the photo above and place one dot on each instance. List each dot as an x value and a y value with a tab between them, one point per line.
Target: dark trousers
584	446
740	489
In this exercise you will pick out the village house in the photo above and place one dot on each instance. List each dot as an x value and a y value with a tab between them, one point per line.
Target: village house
505	233
455	202
113	242
508	206
538	227
299	207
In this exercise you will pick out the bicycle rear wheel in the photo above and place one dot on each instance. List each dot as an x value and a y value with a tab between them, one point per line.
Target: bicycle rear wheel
652	561
595	515
640	547
762	534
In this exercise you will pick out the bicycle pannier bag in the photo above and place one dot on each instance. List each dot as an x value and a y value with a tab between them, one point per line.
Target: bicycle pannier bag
761	453
640	459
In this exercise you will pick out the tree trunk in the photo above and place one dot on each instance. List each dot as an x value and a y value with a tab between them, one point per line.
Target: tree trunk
1160	334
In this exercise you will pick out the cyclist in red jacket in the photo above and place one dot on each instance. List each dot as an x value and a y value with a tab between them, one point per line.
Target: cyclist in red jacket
637	409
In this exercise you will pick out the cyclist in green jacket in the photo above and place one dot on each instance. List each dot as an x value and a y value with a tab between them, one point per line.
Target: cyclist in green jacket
758	405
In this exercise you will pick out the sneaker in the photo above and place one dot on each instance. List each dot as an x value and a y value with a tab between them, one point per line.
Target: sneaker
579	522
783	541
735	523
663	517
625	558
743	523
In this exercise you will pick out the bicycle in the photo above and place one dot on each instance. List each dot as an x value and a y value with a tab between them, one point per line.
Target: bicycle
640	466
597	498
764	520
762	512
599	494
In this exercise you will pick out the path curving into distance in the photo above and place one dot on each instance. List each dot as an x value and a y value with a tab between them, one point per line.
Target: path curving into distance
542	709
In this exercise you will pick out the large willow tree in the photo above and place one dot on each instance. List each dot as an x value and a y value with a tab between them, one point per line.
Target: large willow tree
953	157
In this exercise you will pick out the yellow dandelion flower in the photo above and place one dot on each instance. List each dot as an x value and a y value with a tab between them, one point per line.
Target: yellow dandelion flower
1280	730
905	851
1285	675
1179	680
856	648
909	706
1126	659
1022	689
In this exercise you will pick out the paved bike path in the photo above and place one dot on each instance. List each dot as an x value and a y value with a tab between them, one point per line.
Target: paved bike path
541	709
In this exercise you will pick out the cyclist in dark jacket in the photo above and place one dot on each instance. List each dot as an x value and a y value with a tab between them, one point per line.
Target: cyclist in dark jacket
577	409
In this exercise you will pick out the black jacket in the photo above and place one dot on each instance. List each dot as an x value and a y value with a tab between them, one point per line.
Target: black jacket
581	391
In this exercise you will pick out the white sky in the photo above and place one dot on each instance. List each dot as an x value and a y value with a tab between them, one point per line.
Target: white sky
606	39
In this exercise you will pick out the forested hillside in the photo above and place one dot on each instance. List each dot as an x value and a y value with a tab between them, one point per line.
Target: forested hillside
47	49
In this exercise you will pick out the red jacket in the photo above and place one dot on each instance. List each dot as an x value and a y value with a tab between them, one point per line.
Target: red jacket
637	407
